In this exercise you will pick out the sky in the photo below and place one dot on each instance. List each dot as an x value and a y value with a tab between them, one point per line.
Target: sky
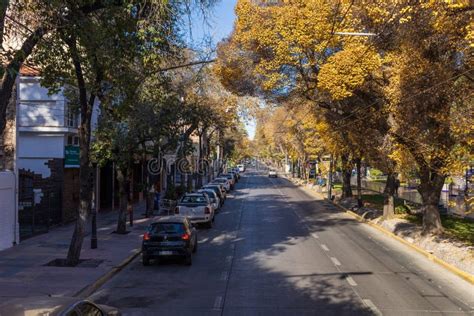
217	26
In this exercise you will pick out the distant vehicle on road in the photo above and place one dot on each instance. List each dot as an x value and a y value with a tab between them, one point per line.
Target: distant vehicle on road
54	306
229	177
237	171
224	181
235	175
170	236
197	208
272	174
241	168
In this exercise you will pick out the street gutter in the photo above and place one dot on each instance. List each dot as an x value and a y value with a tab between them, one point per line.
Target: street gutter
91	288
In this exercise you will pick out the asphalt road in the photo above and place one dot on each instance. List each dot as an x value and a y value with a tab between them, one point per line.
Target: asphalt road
276	250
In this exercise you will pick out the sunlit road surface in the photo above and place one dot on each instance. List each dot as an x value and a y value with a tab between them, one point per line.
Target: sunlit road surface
276	250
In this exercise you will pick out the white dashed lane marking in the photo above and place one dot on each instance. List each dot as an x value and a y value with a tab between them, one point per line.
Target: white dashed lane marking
351	281
324	247
315	235
335	261
372	306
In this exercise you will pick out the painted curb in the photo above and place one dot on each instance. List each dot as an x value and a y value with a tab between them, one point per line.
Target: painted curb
91	288
460	273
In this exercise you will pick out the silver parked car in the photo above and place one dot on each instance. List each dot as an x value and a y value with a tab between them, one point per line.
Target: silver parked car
224	181
215	201
197	208
219	189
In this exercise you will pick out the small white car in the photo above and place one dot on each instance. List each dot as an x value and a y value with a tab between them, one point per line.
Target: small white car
272	174
197	208
215	201
241	168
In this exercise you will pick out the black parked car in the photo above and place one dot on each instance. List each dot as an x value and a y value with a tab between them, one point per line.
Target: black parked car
170	236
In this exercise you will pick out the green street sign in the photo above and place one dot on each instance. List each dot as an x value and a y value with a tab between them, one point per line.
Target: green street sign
71	156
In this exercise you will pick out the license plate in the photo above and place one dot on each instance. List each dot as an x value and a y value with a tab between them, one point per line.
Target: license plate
166	253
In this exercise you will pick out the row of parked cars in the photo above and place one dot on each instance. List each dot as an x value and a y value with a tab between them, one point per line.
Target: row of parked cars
176	236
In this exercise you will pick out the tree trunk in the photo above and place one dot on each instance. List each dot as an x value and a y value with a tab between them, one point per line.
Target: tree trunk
389	192
8	141
12	69
430	190
346	177
330	174
85	175
122	178
359	183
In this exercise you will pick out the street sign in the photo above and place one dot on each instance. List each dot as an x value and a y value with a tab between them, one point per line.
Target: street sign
71	157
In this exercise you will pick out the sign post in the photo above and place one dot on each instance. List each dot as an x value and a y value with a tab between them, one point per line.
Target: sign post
71	156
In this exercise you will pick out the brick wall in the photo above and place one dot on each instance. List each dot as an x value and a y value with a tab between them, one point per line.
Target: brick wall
70	194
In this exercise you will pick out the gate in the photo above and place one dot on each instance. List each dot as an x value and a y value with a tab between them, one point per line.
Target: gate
33	218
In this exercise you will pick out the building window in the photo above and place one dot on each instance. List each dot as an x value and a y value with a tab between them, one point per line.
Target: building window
73	140
72	118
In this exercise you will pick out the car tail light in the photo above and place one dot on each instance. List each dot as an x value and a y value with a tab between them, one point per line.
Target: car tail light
176	210
207	210
185	237
146	236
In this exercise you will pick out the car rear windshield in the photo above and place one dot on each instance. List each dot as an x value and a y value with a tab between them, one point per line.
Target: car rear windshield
169	228
211	193
193	199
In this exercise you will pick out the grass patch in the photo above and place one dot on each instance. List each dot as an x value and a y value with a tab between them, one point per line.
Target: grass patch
458	228
376	201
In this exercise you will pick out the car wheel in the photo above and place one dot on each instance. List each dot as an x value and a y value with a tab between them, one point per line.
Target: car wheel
145	260
209	224
195	248
188	260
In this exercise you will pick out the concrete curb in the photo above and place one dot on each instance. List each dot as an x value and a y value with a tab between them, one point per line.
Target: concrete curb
460	273
91	288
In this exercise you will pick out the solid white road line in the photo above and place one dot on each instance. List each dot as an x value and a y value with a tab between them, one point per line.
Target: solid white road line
335	261
324	247
351	281
372	306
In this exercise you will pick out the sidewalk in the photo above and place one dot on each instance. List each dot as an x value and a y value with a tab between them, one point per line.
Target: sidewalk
23	270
